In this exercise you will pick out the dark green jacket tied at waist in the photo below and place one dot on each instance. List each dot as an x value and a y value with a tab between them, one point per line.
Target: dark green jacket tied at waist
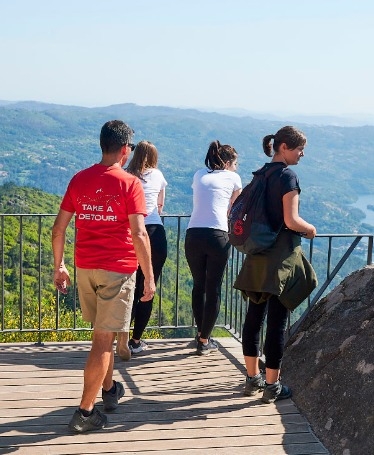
282	270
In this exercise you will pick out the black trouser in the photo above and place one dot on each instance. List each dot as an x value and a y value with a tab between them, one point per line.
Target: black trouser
207	251
275	327
141	311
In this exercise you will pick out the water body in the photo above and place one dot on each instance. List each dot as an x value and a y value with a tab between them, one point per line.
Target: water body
362	203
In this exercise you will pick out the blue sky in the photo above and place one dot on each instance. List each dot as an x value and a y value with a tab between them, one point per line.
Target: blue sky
277	56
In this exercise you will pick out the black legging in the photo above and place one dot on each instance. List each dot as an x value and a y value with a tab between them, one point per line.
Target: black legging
141	311
207	251
275	327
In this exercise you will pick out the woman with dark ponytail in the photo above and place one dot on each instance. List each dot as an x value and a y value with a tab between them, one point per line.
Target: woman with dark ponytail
207	247
260	276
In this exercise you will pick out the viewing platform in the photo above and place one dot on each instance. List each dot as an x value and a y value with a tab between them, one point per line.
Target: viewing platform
175	403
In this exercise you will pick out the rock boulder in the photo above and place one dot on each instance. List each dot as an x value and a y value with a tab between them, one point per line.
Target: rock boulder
329	364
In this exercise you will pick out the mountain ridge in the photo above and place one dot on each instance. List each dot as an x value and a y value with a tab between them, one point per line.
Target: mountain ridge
345	120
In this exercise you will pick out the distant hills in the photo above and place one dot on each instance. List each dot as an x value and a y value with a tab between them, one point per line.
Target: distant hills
331	120
43	145
287	118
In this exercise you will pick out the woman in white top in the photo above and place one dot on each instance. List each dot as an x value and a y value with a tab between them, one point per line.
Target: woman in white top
207	245
144	165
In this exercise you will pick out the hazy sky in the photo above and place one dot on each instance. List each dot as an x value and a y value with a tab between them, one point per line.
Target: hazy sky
278	56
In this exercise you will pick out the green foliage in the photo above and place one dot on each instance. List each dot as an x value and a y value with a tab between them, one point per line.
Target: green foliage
50	317
26	249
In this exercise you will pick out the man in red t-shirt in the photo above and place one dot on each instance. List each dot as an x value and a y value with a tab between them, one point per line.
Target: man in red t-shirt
109	207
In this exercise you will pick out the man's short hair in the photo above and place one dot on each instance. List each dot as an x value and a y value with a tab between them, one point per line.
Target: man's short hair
114	135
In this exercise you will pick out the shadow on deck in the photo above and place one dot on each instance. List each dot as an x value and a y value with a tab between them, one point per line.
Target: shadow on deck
175	402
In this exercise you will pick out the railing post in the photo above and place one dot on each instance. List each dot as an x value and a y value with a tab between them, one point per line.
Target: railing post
177	277
369	260
2	275
39	343
21	272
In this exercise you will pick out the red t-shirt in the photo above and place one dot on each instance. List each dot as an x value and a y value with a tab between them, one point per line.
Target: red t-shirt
102	198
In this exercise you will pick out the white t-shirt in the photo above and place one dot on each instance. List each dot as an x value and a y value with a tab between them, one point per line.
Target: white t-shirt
153	183
212	192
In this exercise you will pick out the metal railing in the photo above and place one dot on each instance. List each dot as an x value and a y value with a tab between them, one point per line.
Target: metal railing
30	304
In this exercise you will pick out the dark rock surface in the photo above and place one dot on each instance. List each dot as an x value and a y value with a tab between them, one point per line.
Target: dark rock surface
329	363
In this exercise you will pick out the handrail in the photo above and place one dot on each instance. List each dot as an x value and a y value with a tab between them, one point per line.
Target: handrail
30	304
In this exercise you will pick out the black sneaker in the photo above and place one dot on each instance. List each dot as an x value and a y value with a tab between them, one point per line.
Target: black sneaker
204	349
81	424
110	400
254	385
275	391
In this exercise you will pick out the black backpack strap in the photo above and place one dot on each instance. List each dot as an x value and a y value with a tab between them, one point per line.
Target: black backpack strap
268	170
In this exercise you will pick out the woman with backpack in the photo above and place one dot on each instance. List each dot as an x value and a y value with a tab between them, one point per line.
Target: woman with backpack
207	246
265	277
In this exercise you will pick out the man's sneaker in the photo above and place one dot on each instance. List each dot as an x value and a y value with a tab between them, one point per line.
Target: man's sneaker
110	400
135	348
275	391
95	421
254	385
204	349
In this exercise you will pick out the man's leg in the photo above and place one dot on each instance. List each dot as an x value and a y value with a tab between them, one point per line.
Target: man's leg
122	347
106	301
98	371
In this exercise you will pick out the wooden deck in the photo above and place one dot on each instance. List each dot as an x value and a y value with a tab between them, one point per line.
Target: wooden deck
175	403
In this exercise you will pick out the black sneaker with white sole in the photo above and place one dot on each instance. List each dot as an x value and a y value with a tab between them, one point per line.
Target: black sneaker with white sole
135	348
197	339
204	349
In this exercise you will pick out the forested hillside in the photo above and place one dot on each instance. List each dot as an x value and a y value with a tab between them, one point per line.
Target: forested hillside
43	145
